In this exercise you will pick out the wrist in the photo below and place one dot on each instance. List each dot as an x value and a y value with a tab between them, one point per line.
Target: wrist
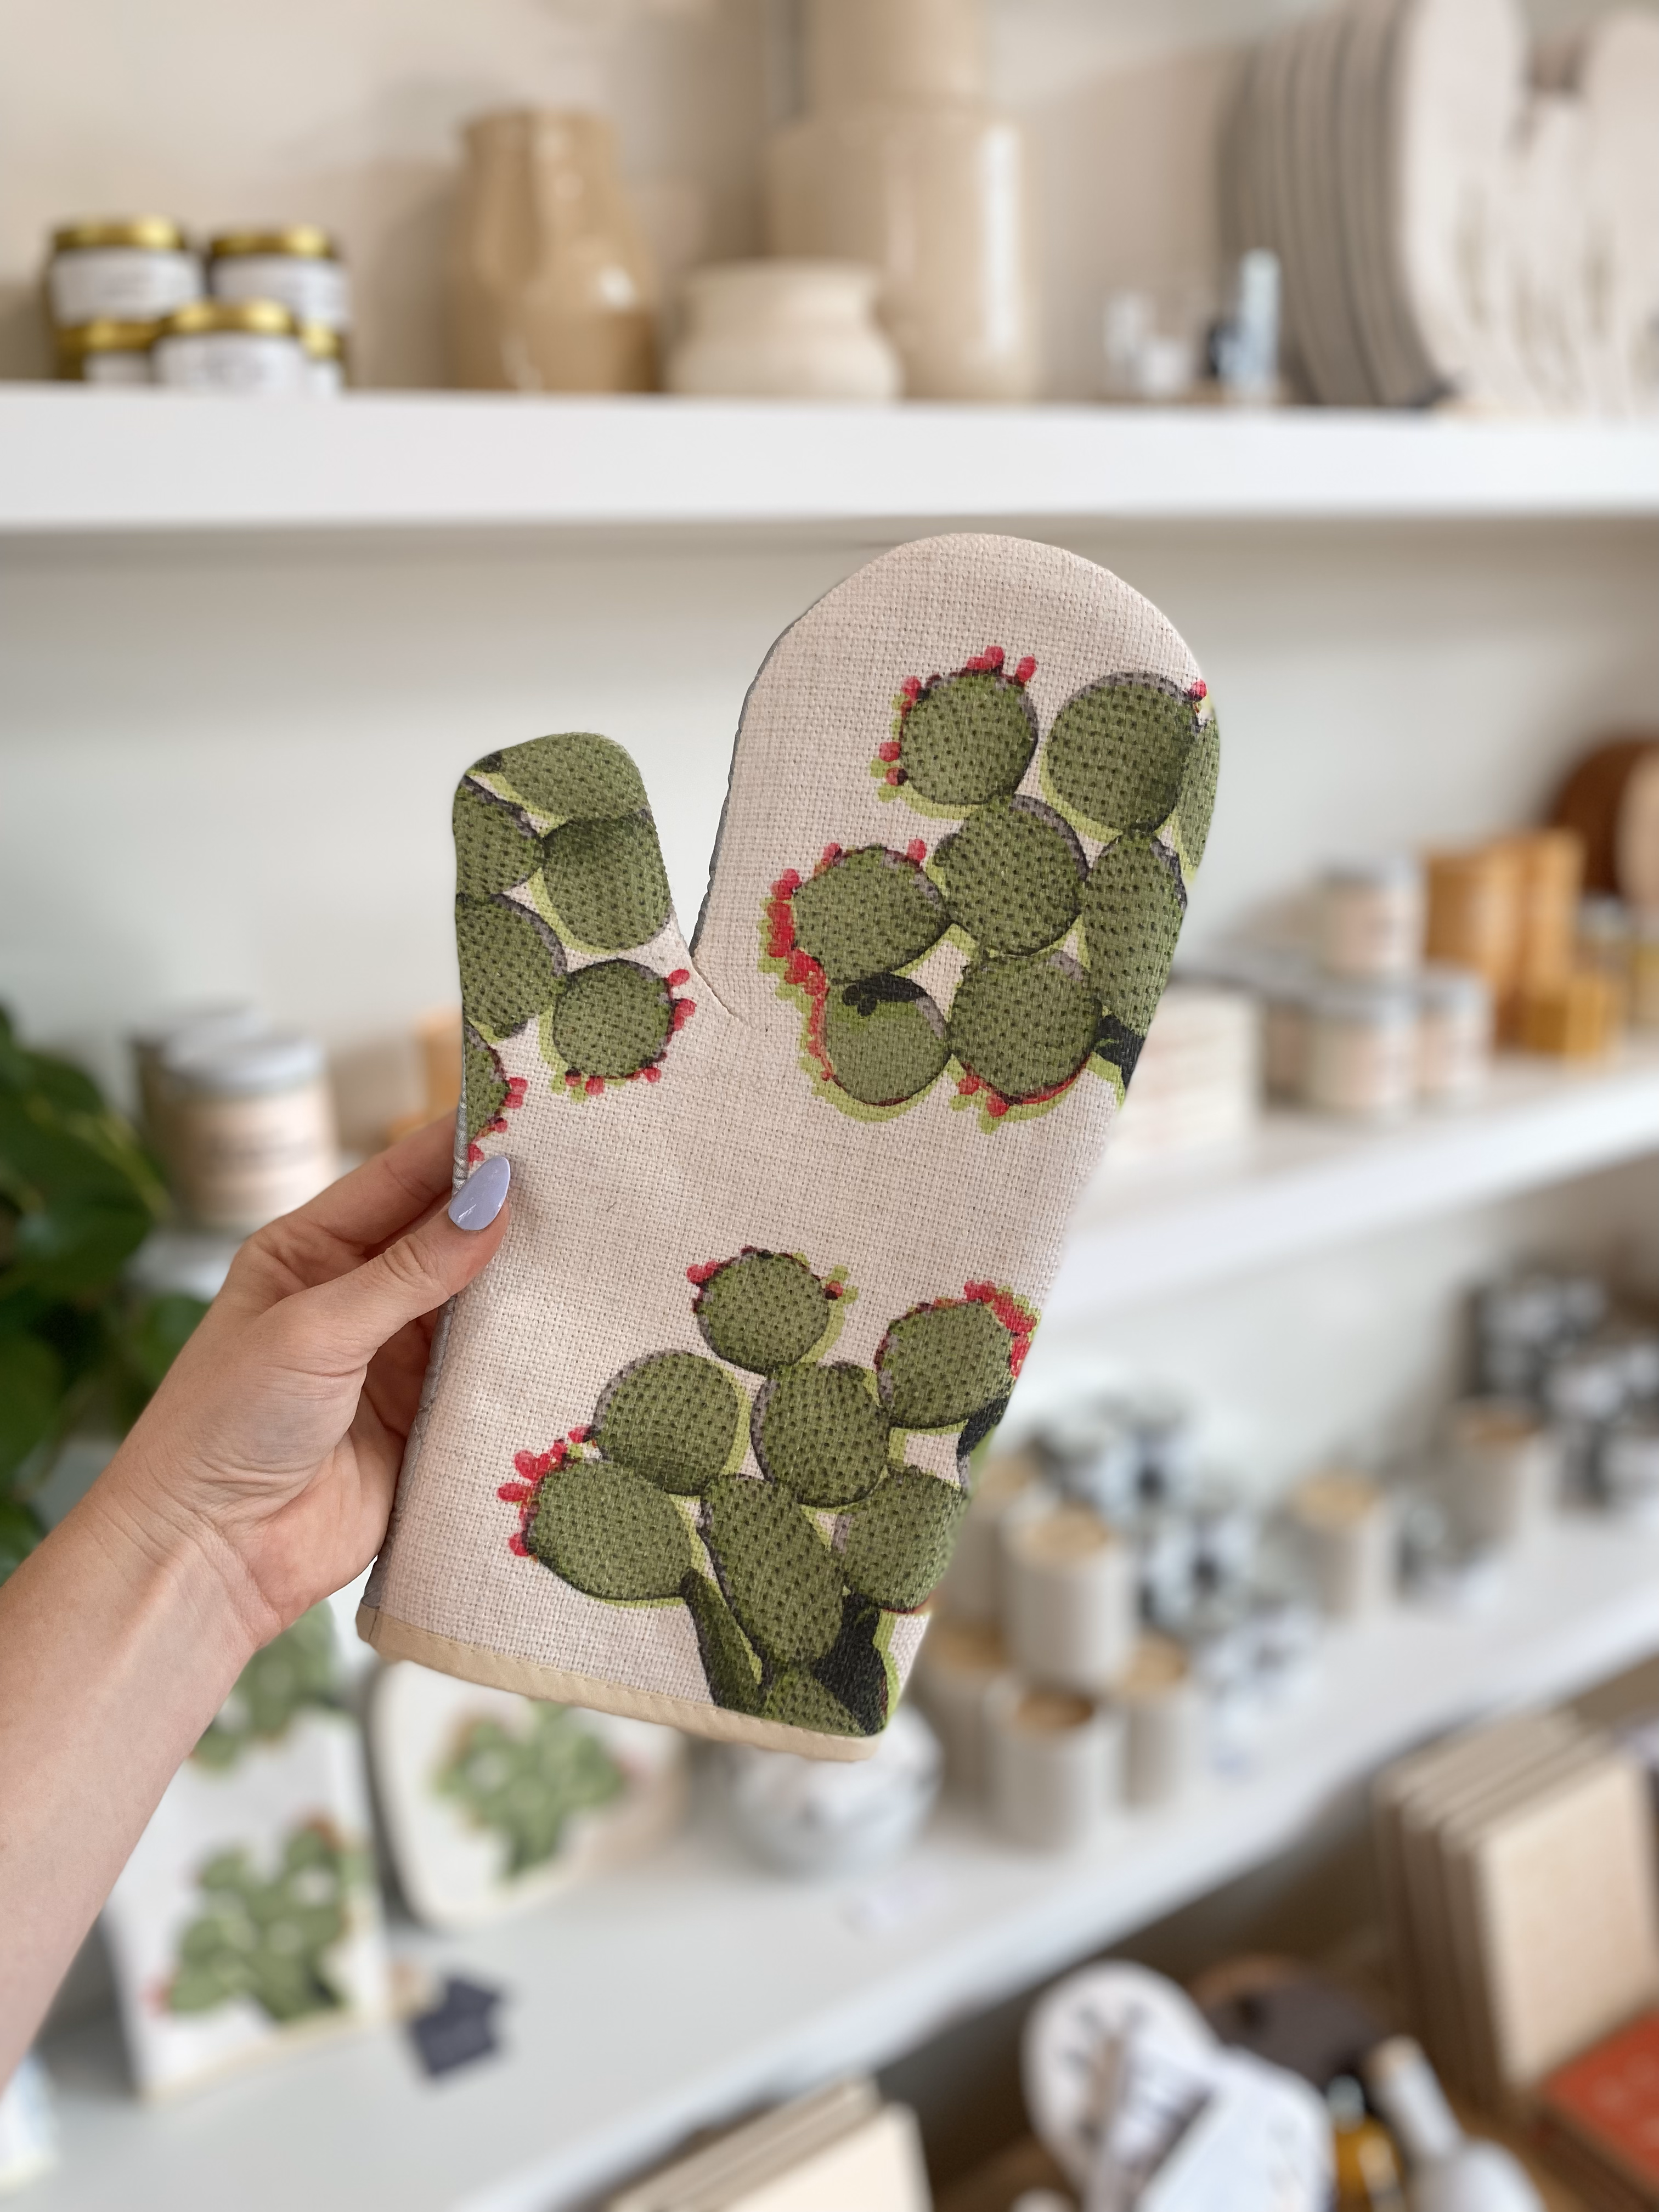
160	1555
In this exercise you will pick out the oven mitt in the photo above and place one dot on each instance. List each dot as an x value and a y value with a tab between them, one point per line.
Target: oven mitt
697	1444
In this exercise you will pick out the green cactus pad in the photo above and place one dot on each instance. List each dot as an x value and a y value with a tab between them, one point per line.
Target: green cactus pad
265	1939
1012	875
485	1085
763	1311
1132	913
885	1039
612	1019
798	1699
573	777
899	1542
674	1418
294	1673
606	882
783	1579
494	850
867	912
968	739
822	1432
1198	786
731	1670
609	1533
938	1365
527	1789
511	964
854	1669
1118	751
1024	1025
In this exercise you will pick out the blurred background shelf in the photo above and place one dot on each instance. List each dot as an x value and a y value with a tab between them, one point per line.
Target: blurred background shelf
1302	1184
78	461
669	1997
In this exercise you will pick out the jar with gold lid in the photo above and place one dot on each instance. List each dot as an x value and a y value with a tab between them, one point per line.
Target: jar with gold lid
106	352
325	360
129	269
251	347
298	264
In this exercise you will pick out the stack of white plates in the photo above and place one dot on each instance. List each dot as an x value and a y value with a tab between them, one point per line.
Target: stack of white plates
1445	230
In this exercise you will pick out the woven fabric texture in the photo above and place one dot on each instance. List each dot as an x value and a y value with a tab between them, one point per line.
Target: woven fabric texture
785	1208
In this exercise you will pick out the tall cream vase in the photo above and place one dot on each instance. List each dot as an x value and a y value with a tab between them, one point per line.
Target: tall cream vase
901	162
552	287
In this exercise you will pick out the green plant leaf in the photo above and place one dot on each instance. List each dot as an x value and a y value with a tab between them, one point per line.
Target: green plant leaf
606	882
968	739
1025	1024
1118	751
614	1018
798	1699
1012	875
763	1311
1132	908
511	964
885	1039
854	1669
495	849
573	776
31	1398
866	913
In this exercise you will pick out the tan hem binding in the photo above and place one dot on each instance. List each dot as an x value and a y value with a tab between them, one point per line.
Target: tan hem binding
475	1662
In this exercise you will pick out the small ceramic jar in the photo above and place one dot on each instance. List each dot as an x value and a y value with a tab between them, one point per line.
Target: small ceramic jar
324	351
251	348
1069	1597
1055	1758
823	1817
130	270
106	353
250	1128
1163	1717
1503	1470
1370	918
957	1663
298	264
784	330
1630	1466
1362	1058
1454	1035
1347	1534
972	1589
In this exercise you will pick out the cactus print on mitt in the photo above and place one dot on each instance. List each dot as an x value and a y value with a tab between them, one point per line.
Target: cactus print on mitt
942	909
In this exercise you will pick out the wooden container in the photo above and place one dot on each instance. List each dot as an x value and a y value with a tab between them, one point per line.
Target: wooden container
1611	799
1474	913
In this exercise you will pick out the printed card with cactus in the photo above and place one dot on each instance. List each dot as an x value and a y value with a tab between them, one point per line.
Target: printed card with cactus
787	1201
247	1917
492	1803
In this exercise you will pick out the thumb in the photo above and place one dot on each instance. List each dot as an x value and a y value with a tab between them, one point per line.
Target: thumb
351	1318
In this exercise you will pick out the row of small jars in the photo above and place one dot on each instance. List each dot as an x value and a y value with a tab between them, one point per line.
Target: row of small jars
261	311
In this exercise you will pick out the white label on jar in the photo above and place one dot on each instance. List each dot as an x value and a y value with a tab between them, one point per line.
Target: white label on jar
316	291
240	1162
1363	1067
116	368
1370	930
327	379
250	361
120	284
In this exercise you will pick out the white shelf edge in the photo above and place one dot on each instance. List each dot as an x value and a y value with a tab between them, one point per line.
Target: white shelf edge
684	1990
1301	1185
75	460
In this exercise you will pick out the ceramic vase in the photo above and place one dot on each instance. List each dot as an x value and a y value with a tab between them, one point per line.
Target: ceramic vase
900	161
552	287
784	330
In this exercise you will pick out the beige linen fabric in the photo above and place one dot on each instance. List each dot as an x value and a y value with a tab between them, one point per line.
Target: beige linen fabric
616	1196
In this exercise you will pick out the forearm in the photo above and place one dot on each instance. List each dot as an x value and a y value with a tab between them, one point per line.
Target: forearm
116	1650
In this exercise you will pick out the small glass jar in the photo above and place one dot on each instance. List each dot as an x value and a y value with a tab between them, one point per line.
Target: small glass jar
132	270
1454	1035
106	352
1370	918
298	264
1362	1051
325	359
250	1128
250	347
1604	943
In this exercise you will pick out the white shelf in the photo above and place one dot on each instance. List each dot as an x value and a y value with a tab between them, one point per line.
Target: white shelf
684	1990
1301	1184
76	459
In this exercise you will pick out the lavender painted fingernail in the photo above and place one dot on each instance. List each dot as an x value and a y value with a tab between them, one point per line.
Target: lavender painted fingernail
483	1195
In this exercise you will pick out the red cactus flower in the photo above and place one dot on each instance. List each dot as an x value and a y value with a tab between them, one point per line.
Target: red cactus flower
916	850
887	749
677	976
474	1154
1198	690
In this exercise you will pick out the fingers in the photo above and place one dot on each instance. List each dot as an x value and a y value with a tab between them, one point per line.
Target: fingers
380	1200
339	1326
